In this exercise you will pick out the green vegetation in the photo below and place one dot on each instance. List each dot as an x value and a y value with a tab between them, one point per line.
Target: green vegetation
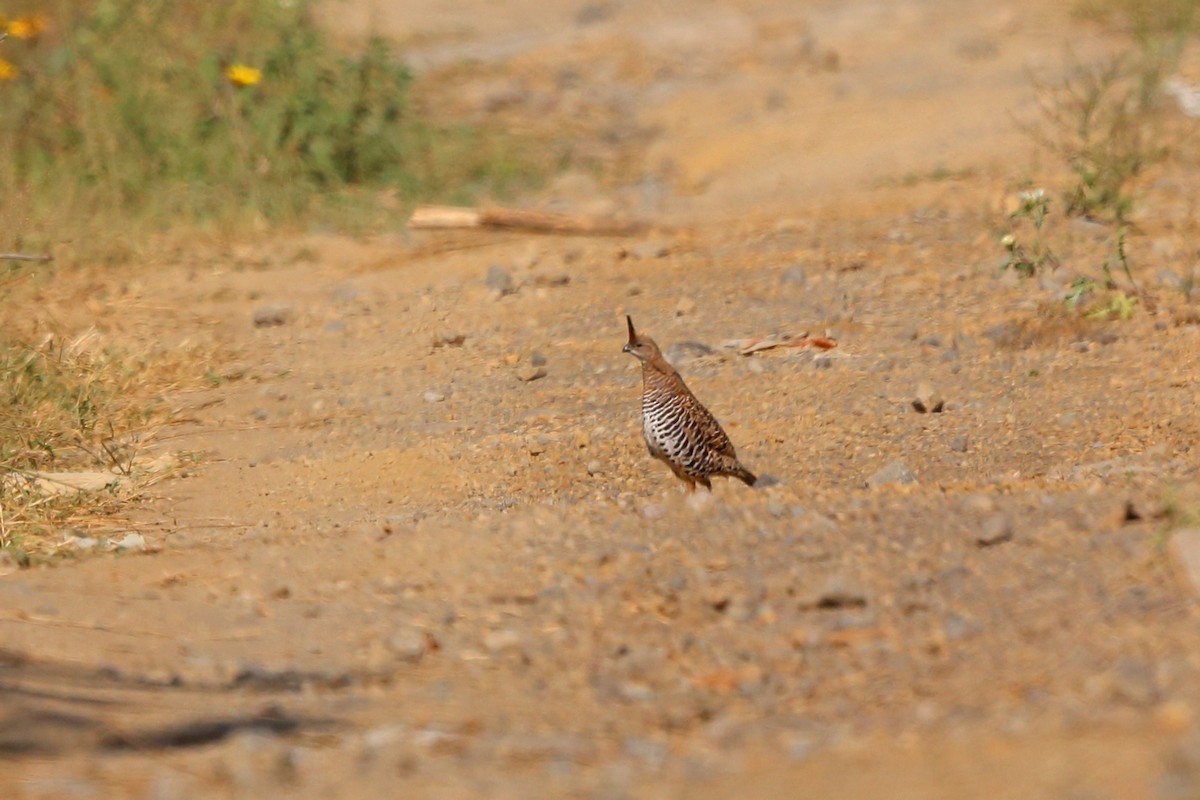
135	115
1027	260
1101	120
1104	122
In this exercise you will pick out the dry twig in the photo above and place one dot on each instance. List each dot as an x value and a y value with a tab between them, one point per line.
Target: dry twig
26	257
454	217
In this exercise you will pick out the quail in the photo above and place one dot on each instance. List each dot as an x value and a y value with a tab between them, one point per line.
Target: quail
679	430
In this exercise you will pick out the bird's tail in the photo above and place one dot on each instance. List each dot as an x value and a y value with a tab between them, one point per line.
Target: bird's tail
744	475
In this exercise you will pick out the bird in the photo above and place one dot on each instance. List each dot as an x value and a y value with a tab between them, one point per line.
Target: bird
679	430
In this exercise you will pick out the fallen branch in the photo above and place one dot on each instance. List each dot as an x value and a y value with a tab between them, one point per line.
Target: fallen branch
748	347
455	217
25	257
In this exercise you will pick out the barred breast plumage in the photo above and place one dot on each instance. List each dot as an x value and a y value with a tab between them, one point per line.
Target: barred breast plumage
679	430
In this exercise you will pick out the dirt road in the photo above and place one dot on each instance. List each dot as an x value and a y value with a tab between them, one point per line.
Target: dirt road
424	553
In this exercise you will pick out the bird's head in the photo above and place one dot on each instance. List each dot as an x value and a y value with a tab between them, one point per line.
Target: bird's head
642	348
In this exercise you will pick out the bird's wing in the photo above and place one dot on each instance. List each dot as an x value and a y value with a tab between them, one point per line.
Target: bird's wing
712	436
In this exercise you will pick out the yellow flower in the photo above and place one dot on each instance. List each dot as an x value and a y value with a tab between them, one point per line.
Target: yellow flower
28	27
242	75
7	70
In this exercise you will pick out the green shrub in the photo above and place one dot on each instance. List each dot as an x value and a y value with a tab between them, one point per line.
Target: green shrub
184	110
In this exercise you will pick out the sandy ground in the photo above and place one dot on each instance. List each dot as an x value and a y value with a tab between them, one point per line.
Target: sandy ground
400	568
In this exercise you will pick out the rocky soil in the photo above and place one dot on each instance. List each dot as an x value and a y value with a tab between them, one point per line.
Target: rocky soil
423	550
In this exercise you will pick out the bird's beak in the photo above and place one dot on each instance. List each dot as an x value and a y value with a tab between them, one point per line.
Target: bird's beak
627	348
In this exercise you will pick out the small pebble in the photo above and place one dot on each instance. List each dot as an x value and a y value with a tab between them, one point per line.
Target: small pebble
996	529
528	374
408	645
927	400
499	280
839	591
502	640
131	542
896	473
272	316
794	275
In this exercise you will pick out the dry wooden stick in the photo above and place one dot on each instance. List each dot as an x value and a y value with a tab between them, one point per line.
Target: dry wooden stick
25	257
452	217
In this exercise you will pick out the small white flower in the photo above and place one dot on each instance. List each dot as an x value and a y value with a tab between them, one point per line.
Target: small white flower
1009	241
1032	198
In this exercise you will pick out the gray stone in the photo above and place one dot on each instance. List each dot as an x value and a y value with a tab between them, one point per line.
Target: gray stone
131	542
995	530
766	481
434	397
896	473
682	352
272	316
794	275
499	280
408	645
960	444
594	467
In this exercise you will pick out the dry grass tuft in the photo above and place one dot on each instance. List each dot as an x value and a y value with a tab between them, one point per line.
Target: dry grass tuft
79	409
